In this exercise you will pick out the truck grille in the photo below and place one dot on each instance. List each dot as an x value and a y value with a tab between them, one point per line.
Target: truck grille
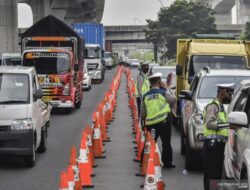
52	91
92	66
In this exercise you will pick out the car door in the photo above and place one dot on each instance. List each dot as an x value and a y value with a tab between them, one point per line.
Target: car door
240	136
37	110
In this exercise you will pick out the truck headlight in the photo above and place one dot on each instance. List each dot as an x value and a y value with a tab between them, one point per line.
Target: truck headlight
22	124
66	90
198	118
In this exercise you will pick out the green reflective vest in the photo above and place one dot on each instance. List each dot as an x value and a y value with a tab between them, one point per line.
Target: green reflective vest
156	107
222	118
145	87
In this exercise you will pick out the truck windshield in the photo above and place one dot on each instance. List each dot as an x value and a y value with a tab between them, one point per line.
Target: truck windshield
198	62
48	62
92	53
14	88
208	88
108	55
11	61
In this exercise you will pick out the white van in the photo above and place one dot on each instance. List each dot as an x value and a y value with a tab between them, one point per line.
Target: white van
24	117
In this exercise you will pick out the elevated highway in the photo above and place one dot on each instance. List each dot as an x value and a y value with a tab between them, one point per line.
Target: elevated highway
223	9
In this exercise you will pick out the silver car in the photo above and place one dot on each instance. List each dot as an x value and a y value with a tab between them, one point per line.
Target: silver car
202	91
237	151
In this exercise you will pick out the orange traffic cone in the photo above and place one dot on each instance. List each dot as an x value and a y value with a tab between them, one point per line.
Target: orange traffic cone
73	163
150	180
64	181
145	155
140	147
71	180
84	165
103	124
97	137
90	145
157	162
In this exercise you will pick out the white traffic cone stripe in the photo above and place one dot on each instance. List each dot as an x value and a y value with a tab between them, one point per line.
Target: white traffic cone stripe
147	148
76	173
158	174
89	141
83	158
97	133
71	185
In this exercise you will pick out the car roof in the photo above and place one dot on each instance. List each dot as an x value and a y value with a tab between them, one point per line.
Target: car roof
16	69
225	72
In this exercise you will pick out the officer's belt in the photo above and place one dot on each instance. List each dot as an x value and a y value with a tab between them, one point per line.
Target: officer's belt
218	138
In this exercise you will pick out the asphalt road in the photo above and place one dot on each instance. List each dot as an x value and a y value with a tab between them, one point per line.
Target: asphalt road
116	171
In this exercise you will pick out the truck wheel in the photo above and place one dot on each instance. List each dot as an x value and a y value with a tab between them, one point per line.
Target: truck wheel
193	158
31	159
43	145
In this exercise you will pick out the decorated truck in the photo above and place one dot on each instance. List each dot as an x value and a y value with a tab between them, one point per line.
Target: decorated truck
56	51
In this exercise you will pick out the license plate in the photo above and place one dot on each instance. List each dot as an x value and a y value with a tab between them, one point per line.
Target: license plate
46	98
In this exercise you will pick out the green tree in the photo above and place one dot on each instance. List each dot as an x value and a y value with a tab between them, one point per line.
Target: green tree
181	20
247	31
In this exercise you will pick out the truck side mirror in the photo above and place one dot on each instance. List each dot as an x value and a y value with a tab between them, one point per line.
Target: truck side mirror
76	67
178	70
238	118
185	95
38	94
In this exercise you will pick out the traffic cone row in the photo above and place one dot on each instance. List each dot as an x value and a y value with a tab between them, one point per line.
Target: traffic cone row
80	169
147	151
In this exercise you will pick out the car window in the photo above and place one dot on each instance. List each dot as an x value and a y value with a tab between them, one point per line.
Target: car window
240	105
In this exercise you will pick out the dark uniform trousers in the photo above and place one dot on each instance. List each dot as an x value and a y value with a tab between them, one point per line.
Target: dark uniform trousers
138	101
213	161
163	129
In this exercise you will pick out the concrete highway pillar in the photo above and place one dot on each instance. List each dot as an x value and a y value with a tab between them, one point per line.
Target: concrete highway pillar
243	11
8	26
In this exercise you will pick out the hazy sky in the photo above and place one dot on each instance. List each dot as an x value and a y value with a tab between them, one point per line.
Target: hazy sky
120	12
116	12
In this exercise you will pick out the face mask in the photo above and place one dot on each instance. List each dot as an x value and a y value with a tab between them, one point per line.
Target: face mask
145	70
226	100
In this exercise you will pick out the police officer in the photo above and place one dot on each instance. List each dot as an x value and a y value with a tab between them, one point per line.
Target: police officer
156	113
142	85
215	134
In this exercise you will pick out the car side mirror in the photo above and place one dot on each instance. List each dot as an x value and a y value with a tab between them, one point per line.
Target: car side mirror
238	118
76	67
185	95
178	70
38	94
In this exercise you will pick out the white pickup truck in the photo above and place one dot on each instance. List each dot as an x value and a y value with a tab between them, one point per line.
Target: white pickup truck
24	117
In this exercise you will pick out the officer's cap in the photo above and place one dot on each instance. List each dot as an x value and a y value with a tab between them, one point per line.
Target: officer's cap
155	75
229	87
143	64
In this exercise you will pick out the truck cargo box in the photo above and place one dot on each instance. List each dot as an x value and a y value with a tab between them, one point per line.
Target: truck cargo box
92	33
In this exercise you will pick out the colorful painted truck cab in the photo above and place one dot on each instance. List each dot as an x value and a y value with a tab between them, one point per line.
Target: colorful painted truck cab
58	62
